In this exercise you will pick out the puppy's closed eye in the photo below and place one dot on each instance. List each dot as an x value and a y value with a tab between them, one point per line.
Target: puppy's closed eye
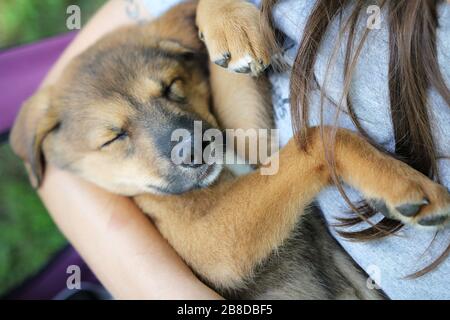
175	90
121	135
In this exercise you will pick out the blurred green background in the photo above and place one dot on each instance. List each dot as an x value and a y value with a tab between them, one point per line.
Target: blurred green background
23	21
28	238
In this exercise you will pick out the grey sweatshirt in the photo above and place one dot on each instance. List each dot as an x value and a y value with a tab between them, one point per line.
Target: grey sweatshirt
388	260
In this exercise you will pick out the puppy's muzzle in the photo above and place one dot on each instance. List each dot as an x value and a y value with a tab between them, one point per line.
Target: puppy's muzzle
194	157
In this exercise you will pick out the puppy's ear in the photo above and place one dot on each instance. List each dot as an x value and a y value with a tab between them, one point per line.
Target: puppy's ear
32	125
176	48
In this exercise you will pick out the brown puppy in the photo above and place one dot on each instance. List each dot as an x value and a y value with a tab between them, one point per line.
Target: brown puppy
110	120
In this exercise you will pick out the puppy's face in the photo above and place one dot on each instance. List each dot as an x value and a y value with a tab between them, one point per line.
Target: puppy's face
112	118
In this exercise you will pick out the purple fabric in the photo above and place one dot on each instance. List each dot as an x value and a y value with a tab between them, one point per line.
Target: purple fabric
21	71
52	279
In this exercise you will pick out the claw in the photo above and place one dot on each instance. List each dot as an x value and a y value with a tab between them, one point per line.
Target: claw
381	207
410	210
433	220
223	62
201	36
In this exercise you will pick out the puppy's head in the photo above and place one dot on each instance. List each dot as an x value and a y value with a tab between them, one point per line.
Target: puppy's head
111	118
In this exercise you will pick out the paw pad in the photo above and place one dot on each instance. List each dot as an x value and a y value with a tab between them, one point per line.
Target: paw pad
411	209
434	220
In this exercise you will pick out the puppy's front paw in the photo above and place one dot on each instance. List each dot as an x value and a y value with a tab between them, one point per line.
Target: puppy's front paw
231	32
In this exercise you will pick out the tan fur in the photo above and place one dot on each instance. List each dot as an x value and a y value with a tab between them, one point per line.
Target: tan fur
233	226
222	231
232	27
249	109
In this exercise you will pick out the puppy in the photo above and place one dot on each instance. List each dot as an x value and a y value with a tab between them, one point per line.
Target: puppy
110	120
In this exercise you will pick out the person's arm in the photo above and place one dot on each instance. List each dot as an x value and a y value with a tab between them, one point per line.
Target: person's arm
116	239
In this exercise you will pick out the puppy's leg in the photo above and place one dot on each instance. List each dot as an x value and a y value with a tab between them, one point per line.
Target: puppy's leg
242	102
231	30
224	231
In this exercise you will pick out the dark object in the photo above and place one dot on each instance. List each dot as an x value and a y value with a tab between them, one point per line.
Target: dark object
51	282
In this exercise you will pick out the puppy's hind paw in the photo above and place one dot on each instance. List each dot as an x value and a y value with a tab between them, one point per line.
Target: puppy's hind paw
431	210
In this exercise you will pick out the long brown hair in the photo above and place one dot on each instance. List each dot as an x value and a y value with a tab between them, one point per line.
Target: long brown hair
413	70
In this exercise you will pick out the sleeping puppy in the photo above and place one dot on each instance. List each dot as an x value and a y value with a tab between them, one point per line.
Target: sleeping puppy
110	120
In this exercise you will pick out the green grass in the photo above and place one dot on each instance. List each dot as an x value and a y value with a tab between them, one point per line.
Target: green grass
28	237
23	21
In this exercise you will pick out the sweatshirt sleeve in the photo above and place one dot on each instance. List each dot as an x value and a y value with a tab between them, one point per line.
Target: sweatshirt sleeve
158	7
444	171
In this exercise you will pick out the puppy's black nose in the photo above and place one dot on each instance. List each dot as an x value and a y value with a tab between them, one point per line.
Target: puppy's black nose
195	158
192	165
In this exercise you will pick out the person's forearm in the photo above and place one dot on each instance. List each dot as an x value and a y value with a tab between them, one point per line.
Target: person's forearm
117	240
